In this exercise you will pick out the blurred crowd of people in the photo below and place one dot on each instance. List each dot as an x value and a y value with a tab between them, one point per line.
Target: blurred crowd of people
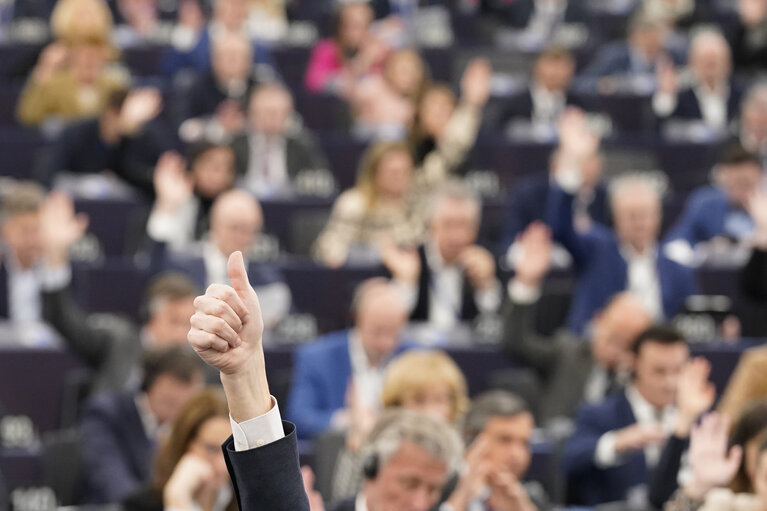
220	132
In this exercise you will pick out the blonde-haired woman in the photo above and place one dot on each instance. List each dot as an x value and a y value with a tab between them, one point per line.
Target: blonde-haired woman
389	201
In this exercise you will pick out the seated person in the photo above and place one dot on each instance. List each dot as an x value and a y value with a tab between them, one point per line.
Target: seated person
608	261
273	154
449	278
347	367
633	63
384	104
185	194
213	106
21	265
337	63
120	430
712	96
72	80
719	212
189	468
526	202
236	221
127	138
748	43
498	429
617	443
406	446
752	130
139	23
389	200
542	14
193	37
548	94
571	370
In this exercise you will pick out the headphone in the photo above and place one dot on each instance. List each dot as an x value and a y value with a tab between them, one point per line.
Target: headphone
370	466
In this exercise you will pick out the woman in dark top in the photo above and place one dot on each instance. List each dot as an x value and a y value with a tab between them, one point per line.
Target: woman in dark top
190	471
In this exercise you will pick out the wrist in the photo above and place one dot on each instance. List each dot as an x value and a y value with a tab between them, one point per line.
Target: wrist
696	490
683	425
178	499
247	390
58	258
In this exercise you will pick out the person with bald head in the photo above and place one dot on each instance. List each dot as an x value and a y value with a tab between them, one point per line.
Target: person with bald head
710	94
236	221
624	258
571	369
274	150
346	368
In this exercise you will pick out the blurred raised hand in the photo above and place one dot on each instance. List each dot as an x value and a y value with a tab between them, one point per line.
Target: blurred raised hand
172	184
61	228
712	464
534	259
475	82
695	394
141	106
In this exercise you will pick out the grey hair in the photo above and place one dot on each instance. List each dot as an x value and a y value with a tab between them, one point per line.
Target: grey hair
493	403
708	34
632	180
458	191
432	434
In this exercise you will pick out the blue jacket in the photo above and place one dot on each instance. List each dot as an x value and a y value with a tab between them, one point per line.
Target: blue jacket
593	485
601	269
708	214
321	374
117	454
198	57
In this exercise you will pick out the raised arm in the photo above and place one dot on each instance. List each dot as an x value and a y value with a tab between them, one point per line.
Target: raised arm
262	457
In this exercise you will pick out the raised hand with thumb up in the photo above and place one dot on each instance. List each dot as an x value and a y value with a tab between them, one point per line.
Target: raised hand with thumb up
226	332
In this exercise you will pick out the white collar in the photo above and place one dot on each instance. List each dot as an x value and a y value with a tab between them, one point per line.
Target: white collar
359	358
643	410
360	503
630	253
148	418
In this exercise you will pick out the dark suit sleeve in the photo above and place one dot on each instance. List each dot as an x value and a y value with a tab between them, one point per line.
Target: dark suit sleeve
559	217
71	322
268	478
581	448
754	276
664	482
688	227
522	342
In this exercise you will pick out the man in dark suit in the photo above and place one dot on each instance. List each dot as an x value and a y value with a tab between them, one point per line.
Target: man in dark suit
571	369
545	14
273	152
120	430
347	367
713	97
617	443
450	278
721	211
549	92
608	261
236	221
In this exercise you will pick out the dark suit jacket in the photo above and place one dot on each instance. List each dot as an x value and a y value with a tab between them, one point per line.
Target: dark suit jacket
595	485
520	106
4	311
564	362
688	106
301	153
526	203
117	454
113	352
204	95
518	12
344	505
268	478
602	270
469	308
321	374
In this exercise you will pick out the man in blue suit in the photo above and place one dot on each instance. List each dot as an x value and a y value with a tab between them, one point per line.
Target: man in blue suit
617	443
345	369
608	261
719	211
120	430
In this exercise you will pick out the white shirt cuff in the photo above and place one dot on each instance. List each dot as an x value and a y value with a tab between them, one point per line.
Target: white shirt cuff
56	279
164	226
569	179
663	104
522	294
259	431
605	455
489	299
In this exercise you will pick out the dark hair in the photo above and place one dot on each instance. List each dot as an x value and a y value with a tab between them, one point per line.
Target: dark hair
493	403
179	361
556	53
116	99
751	424
199	148
660	334
168	286
736	154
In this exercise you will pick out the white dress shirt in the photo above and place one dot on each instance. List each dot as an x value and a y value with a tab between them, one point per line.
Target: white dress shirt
176	228
367	378
712	103
547	105
267	173
605	455
24	286
446	292
643	279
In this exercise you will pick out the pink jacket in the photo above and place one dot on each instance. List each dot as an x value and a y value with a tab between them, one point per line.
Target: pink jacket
324	64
